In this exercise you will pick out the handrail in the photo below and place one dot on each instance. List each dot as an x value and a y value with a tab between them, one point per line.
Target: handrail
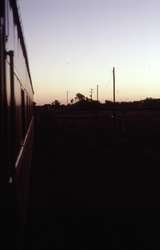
24	144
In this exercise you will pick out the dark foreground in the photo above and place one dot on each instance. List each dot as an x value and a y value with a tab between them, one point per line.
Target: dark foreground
86	176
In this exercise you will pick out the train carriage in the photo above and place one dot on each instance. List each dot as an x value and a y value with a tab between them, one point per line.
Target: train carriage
16	106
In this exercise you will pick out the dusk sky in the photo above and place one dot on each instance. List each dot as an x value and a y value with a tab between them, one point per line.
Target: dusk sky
74	44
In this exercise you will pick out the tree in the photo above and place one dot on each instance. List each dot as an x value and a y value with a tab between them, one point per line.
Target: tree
80	97
72	100
56	104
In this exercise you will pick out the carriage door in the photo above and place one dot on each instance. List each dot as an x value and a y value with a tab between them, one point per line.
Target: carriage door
11	112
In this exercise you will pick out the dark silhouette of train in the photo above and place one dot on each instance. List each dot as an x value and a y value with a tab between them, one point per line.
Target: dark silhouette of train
16	109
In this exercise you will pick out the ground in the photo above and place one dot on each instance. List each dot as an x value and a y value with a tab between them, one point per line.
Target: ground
85	163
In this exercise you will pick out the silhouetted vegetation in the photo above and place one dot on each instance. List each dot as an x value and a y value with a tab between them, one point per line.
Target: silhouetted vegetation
80	97
56	104
84	103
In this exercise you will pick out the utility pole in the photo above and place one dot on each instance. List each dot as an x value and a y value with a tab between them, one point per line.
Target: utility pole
114	98
67	97
91	94
97	93
114	92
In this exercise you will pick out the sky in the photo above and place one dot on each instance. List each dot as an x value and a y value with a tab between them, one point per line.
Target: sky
73	45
